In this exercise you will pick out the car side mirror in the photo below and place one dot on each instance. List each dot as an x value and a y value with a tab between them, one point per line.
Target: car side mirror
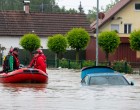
131	83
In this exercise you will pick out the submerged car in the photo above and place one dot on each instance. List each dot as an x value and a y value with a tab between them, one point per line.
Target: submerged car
102	76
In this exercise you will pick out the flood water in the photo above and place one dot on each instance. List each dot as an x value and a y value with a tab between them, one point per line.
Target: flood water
64	92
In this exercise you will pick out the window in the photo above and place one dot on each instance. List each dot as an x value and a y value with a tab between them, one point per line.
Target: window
127	28
115	27
137	6
111	79
85	80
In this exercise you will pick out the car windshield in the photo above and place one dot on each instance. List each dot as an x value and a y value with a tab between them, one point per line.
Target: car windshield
111	80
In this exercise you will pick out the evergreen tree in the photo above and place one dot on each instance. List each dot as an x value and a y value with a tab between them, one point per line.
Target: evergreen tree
45	6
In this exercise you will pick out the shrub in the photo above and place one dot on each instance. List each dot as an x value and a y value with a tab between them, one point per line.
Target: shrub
63	63
122	66
88	63
75	65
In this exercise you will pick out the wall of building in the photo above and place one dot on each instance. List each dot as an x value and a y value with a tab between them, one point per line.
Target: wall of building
127	15
12	41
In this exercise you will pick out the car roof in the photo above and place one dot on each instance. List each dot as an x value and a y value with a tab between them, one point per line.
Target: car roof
105	74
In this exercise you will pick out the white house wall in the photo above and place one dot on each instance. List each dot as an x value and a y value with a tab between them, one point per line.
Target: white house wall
9	42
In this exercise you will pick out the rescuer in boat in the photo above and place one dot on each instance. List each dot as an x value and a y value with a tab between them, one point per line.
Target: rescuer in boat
38	61
11	61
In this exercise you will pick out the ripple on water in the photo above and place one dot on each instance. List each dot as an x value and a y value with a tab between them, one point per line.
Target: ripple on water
64	92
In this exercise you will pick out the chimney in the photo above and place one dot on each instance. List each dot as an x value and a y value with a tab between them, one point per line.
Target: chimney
26	6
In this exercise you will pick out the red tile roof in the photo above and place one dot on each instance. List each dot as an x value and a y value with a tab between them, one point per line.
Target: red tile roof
17	23
109	14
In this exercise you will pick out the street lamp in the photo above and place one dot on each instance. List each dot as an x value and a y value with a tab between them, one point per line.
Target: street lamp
97	20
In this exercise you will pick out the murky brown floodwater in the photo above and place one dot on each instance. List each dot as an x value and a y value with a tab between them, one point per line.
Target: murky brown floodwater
64	92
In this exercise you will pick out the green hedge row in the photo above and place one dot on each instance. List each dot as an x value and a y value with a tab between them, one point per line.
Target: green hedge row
120	66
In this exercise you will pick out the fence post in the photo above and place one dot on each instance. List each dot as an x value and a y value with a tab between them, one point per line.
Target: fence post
69	64
57	63
81	63
95	63
125	66
109	64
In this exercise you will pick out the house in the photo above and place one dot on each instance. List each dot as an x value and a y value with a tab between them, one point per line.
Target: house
124	18
14	24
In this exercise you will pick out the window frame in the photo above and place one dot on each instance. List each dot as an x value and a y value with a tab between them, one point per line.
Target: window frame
135	6
127	28
113	29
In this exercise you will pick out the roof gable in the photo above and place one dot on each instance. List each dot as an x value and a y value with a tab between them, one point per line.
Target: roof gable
109	14
17	23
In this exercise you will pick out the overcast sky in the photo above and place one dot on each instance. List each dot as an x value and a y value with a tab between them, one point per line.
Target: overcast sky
87	4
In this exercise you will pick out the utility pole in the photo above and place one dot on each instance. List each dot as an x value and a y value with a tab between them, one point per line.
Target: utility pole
97	20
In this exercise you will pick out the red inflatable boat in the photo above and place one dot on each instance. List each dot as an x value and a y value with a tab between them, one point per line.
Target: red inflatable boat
24	75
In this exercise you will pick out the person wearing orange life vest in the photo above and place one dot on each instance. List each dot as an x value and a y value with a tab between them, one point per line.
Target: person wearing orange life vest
38	61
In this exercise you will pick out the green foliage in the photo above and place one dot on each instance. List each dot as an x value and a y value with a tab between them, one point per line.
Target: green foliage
122	66
30	42
91	16
78	39
108	41
47	6
57	43
135	40
75	65
93	12
109	6
88	63
63	63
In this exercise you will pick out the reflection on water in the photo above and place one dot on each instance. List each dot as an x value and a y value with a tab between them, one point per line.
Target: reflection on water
22	87
64	92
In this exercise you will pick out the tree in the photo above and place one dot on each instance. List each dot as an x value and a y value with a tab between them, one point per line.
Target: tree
109	6
30	42
134	40
47	6
57	44
78	39
93	12
43	5
108	41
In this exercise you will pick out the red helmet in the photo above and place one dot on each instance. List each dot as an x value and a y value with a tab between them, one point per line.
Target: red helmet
39	51
11	50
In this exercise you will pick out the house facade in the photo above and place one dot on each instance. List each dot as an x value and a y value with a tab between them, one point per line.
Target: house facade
14	24
124	18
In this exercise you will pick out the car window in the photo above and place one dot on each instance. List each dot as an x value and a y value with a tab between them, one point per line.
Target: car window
85	80
98	80
117	80
113	80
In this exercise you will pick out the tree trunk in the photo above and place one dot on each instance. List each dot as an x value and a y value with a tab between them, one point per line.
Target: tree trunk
56	55
77	54
107	54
